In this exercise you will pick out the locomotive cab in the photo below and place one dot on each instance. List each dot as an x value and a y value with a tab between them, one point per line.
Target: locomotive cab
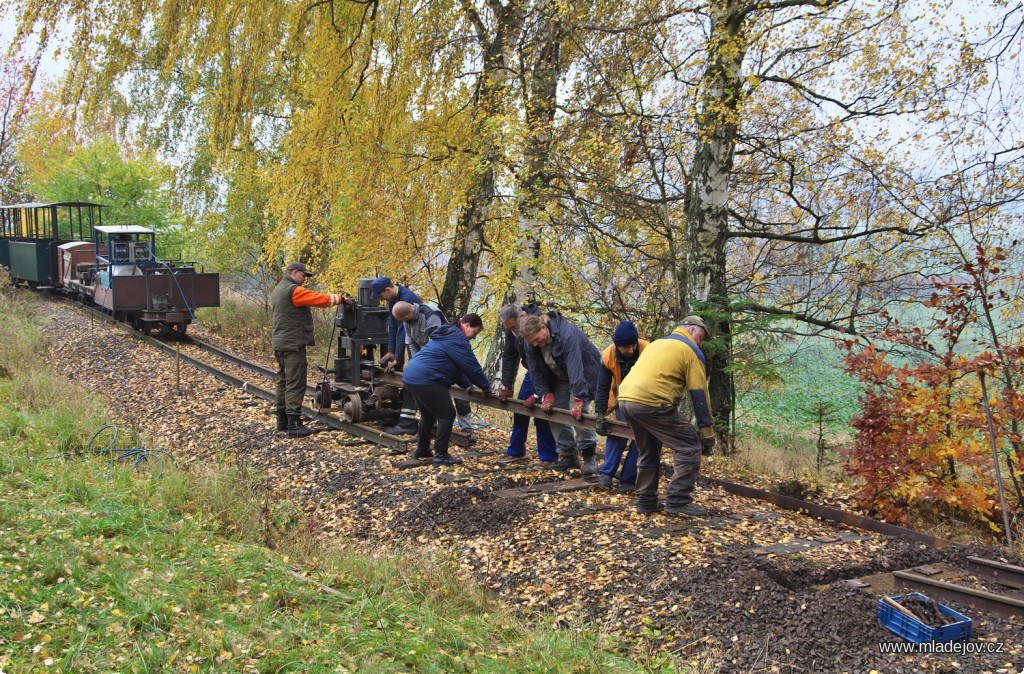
134	284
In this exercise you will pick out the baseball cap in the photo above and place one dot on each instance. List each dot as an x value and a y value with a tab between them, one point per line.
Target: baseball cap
694	320
379	284
297	266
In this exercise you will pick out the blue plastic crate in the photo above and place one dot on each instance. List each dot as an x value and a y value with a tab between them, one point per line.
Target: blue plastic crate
916	631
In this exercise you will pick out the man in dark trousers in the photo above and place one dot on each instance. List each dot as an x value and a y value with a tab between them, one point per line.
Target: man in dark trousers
649	398
616	362
563	366
393	293
447	359
292	333
513	355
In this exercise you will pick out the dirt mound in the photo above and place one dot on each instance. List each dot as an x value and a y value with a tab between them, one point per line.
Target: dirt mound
463	511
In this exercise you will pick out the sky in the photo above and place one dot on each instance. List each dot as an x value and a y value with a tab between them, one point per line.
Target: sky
52	66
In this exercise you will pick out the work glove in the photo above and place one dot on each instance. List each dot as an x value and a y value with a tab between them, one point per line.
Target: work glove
390	367
601	426
706	445
547	402
348	301
503	393
577	409
386	358
476	390
530	402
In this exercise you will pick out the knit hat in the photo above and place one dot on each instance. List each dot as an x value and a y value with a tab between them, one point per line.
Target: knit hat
625	334
379	284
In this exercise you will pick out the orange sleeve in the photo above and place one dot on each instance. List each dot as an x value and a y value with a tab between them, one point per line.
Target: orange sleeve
304	297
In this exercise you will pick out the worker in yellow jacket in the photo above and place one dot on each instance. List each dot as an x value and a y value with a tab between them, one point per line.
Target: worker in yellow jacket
649	399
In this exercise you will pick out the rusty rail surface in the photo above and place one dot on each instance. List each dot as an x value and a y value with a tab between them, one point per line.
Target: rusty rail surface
560	416
989	601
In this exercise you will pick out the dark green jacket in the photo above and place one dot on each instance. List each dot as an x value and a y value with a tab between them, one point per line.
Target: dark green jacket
293	326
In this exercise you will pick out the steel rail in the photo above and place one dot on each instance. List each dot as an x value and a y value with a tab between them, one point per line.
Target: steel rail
560	416
233	359
826	513
1004	574
356	430
557	415
989	601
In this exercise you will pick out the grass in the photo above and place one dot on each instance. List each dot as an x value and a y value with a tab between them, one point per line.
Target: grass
106	568
811	376
778	424
238	317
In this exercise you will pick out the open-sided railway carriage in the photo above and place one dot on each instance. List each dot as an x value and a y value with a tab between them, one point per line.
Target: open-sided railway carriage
31	235
65	246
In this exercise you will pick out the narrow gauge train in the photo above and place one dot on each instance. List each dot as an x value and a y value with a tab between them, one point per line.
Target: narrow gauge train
65	247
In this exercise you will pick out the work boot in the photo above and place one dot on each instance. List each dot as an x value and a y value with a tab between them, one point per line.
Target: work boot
605	480
690	509
446	460
649	508
405	426
511	458
282	420
295	427
422	454
589	462
566	462
626	487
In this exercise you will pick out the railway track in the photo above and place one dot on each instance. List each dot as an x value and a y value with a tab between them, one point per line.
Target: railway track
985	584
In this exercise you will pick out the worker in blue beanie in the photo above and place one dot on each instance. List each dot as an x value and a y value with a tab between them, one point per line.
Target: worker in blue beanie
616	362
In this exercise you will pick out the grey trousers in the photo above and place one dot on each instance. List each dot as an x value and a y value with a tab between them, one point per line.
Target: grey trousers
569	439
291	380
655	427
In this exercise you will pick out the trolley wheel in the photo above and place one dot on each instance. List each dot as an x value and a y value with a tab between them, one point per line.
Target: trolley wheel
352	408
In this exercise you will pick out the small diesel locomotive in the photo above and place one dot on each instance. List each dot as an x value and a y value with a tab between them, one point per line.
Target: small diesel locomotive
65	247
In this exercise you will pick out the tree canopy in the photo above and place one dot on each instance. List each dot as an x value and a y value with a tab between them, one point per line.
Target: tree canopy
789	163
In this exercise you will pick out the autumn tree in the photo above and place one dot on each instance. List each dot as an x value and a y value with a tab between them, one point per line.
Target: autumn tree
16	78
922	439
784	165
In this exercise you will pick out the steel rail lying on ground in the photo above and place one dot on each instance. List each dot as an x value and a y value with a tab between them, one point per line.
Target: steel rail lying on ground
1004	574
559	416
826	513
998	604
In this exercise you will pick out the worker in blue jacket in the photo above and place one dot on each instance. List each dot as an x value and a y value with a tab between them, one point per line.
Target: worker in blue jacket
447	359
393	293
564	368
